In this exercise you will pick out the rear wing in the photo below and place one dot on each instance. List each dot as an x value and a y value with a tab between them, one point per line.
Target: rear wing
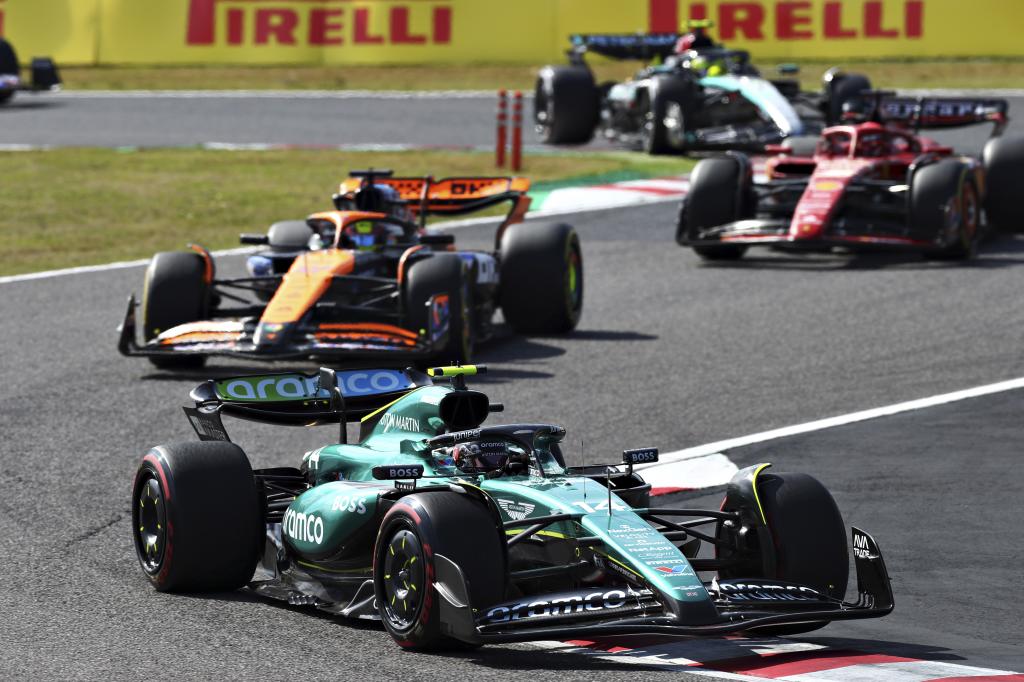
936	112
643	46
449	196
297	399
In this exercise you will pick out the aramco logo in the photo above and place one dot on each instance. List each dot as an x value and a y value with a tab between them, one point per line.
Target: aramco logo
318	22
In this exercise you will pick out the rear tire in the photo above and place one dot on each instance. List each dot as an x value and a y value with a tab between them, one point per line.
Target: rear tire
541	278
416	529
566	105
197	521
842	89
713	200
441	273
1004	168
175	292
809	539
932	189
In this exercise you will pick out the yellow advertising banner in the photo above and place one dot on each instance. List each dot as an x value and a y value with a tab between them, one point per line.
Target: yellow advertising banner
62	29
494	31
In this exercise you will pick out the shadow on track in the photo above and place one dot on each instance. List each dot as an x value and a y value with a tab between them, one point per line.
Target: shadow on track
493	656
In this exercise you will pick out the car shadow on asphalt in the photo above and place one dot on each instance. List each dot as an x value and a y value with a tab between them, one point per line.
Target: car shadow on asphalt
20	103
922	652
496	656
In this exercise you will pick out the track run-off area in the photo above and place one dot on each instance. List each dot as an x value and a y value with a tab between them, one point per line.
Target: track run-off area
738	361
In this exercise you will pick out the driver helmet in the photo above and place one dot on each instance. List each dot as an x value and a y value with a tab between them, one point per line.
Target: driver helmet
708	67
367	235
481	456
872	141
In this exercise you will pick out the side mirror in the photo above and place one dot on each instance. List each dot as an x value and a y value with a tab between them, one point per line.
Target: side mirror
253	239
788	69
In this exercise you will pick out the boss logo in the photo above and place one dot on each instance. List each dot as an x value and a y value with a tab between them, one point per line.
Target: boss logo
640	456
390	473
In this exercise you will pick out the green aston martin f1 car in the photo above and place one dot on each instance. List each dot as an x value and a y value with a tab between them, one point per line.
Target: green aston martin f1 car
452	532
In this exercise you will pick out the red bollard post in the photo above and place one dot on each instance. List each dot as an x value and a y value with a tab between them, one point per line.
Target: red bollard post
499	149
517	131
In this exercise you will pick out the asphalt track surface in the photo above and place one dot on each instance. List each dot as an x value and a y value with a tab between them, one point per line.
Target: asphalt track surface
670	353
88	119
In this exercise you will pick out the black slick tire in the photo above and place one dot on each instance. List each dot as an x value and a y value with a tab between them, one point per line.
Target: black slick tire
1004	177
174	292
444	274
413	532
9	66
197	521
714	199
541	278
654	108
944	205
566	105
842	89
808	539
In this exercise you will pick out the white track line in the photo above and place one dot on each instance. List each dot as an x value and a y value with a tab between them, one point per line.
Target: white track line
422	94
281	94
570	209
718	447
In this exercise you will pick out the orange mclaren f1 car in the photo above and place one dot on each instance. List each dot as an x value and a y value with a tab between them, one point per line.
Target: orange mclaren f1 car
368	281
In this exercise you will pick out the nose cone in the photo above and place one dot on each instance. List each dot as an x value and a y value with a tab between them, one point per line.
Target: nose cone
271	334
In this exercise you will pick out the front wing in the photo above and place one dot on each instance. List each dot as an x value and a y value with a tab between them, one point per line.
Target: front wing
629	611
776	233
237	338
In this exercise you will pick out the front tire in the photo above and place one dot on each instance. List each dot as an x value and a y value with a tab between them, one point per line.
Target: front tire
714	199
808	536
944	203
175	291
414	531
196	517
441	273
541	278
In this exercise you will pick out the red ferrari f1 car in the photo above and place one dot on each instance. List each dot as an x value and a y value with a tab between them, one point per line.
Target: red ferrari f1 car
870	184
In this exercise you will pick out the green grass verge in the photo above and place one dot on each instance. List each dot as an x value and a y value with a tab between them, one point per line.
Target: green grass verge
71	207
950	73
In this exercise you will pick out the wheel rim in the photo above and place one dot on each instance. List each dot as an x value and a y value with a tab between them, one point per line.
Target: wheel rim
647	130
403	579
151	525
968	215
574	281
